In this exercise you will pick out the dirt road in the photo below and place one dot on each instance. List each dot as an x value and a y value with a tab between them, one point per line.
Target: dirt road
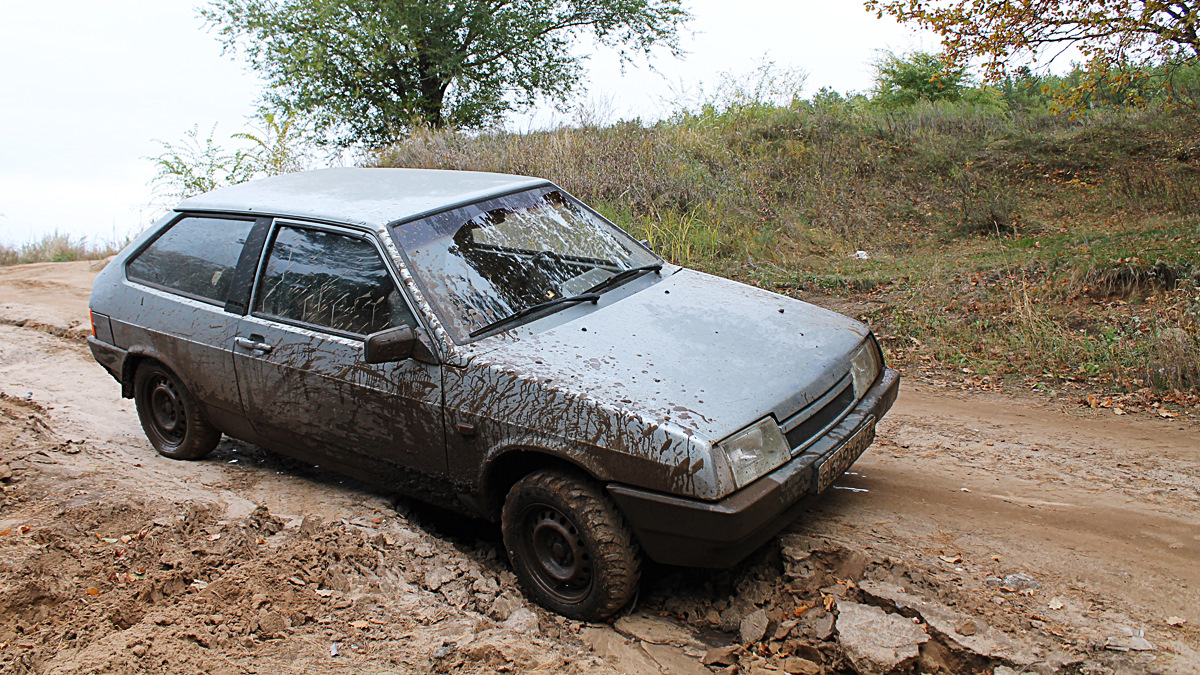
1012	533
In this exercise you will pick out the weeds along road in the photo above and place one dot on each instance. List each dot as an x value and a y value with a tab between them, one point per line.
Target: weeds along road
1061	529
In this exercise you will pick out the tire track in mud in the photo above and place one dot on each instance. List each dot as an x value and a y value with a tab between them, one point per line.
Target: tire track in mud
921	549
120	560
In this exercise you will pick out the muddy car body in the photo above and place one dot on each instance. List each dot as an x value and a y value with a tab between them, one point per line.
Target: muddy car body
487	343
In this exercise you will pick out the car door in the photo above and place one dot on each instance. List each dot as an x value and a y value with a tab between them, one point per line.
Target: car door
299	361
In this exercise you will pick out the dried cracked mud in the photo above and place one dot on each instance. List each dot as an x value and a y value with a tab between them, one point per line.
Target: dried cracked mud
980	534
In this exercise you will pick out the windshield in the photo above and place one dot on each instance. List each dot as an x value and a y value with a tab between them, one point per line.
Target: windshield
483	263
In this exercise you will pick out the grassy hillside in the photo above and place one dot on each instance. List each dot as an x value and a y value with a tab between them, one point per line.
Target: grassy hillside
1002	249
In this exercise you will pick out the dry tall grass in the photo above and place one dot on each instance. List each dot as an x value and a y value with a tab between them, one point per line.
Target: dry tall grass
1019	244
56	247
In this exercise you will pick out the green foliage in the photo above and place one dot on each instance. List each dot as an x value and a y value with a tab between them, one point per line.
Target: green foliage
370	71
1122	41
197	165
1025	90
827	97
1111	34
904	80
277	144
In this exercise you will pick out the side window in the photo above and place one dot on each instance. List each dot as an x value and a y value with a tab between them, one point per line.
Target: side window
195	256
329	280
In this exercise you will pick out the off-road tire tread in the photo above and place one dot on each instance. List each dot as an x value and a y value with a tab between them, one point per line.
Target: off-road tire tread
616	555
201	437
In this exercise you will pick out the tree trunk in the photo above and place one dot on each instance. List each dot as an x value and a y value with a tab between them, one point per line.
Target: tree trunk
432	92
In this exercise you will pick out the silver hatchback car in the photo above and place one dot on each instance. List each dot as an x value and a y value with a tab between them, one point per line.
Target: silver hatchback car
487	343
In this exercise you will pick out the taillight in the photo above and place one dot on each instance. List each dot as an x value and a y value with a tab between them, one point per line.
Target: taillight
92	317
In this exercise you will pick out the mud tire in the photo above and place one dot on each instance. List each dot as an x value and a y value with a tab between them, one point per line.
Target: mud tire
169	415
569	545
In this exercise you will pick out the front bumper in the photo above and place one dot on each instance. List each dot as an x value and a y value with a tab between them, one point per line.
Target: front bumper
681	531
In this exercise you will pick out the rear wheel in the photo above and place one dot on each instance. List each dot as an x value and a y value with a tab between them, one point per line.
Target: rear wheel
569	545
169	415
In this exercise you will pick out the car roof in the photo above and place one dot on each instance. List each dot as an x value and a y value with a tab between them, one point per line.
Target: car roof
372	197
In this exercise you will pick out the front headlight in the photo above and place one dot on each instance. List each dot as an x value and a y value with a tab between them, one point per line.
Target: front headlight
755	450
864	367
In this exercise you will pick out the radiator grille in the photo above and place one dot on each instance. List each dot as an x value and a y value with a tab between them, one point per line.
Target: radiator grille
827	415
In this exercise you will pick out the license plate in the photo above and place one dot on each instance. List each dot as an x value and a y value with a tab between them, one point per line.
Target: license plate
843	457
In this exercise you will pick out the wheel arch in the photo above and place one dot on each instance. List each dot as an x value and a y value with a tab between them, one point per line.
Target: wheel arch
511	465
135	358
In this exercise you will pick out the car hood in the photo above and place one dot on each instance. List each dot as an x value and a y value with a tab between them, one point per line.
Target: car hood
704	353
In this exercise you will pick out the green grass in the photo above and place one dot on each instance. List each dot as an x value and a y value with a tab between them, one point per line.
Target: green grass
1028	248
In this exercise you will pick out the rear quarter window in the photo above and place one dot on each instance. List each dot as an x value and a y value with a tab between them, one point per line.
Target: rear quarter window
195	256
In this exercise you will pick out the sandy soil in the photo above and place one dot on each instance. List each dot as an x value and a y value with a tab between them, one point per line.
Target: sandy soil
980	533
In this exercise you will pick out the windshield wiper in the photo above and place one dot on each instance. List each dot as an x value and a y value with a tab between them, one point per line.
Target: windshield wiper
582	297
623	275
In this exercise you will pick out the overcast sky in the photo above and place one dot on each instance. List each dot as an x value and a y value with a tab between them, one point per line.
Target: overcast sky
86	87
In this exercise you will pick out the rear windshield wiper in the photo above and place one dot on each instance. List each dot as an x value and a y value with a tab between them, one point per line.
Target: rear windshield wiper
623	275
583	297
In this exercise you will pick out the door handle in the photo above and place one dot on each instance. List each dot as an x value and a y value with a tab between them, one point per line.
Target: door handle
253	345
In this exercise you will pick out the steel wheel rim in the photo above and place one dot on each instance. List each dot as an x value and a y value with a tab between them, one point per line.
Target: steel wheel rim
556	554
167	411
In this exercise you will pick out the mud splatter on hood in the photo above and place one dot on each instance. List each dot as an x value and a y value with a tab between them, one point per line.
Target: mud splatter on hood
707	354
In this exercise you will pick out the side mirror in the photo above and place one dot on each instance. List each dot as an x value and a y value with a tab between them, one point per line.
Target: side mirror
387	346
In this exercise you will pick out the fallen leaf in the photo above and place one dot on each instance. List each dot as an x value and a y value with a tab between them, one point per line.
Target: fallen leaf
377	520
93	591
296	580
1164	413
829	602
125	539
950	559
4	532
108	540
1176	621
23	529
360	624
214	537
1055	603
324	592
1118	411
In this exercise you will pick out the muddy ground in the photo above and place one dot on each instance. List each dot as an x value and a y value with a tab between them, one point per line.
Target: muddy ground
981	533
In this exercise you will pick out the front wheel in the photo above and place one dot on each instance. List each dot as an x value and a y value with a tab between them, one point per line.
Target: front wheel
569	545
175	426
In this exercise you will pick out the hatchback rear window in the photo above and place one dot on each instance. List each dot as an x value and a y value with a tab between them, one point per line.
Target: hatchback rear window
196	257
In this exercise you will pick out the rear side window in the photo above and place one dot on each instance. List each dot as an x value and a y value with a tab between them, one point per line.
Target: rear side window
330	280
196	256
